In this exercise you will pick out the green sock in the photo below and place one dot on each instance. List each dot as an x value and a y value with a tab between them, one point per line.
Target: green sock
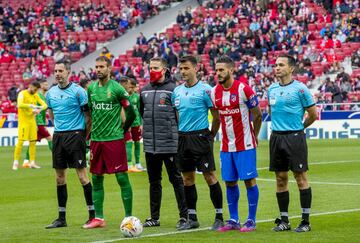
50	144
129	152
137	152
126	192
98	195
27	156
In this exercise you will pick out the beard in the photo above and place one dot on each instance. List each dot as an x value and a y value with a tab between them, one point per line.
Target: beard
226	78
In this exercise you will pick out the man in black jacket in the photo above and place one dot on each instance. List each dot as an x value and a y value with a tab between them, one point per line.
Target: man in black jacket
160	137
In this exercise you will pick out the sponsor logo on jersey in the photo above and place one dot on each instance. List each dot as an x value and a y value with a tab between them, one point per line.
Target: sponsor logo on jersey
101	106
229	111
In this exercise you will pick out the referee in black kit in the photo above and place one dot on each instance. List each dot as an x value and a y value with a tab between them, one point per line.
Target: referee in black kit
288	100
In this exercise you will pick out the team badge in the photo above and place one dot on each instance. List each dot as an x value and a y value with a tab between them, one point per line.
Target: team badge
162	99
233	97
109	94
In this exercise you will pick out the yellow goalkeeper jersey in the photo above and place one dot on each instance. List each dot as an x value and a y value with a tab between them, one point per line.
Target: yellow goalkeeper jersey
26	103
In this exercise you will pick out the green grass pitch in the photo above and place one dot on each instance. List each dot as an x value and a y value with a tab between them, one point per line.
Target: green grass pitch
28	202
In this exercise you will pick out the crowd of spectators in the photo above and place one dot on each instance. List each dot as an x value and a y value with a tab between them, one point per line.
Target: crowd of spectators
250	32
50	31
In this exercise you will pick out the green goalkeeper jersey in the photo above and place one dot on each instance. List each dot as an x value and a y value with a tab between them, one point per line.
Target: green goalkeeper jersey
41	117
105	103
135	102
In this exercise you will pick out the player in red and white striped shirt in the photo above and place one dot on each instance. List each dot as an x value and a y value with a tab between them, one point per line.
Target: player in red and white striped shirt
235	102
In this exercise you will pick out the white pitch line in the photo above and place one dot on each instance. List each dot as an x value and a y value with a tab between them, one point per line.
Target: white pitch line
207	228
316	182
321	163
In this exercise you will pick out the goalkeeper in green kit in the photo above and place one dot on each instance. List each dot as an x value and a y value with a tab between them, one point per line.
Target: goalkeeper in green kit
133	136
42	132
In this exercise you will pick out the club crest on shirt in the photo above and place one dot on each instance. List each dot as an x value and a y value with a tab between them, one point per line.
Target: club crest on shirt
109	94
233	97
162	100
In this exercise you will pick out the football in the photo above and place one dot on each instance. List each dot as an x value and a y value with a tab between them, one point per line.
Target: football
131	227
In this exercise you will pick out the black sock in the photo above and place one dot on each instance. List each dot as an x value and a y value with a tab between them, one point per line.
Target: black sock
305	201
88	198
191	198
62	198
283	202
217	199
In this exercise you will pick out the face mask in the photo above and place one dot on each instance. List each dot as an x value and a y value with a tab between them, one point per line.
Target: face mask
155	76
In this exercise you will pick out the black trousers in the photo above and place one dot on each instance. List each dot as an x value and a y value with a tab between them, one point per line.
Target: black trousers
154	164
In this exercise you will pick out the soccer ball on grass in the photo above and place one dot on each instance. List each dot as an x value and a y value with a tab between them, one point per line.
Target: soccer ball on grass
131	227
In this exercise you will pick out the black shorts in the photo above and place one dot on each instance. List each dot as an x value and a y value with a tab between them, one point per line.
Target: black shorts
288	151
195	151
69	150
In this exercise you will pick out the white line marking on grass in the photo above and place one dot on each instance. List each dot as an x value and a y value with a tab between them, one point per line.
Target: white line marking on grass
316	182
207	228
321	163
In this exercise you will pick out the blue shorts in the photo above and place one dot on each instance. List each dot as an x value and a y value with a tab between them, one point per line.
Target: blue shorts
238	165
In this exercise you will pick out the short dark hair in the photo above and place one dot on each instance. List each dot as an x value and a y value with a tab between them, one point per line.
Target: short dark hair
104	59
159	59
84	82
227	60
190	59
66	63
291	59
36	84
125	79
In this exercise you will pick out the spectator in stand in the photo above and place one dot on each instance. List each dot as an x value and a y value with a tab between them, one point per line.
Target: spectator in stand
7	106
83	48
345	88
355	59
138	52
73	77
180	18
334	68
141	40
335	91
357	84
27	75
105	52
343	76
7	57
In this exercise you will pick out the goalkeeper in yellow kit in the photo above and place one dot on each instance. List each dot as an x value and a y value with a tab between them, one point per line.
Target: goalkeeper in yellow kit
27	129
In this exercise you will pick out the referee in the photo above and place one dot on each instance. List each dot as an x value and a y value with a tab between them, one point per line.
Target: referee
288	101
192	101
69	111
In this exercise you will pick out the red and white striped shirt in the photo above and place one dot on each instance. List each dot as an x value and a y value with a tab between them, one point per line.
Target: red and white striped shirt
234	106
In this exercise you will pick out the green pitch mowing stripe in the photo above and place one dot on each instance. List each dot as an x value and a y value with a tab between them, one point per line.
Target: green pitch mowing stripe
322	163
207	228
316	182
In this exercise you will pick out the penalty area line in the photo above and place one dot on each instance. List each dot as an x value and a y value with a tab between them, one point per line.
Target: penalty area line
207	228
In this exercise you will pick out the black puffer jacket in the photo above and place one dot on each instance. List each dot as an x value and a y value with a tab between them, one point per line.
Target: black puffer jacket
160	128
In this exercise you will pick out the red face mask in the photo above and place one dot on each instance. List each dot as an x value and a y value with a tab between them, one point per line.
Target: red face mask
155	76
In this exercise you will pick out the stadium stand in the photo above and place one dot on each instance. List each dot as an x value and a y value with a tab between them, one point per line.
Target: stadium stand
250	32
37	35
